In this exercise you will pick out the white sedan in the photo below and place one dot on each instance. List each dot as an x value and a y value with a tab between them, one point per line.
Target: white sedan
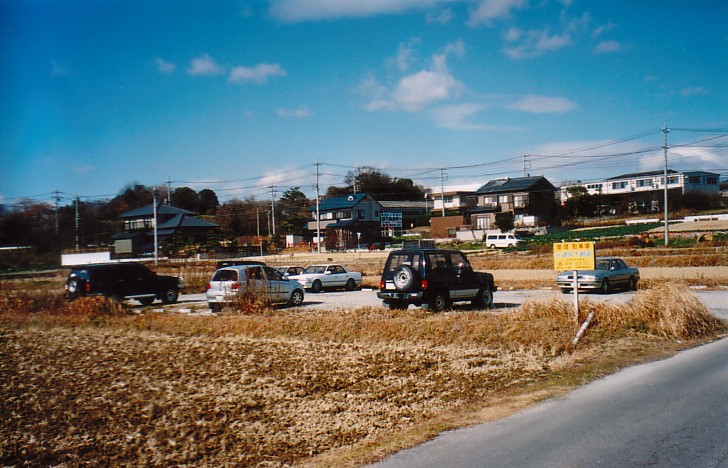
316	278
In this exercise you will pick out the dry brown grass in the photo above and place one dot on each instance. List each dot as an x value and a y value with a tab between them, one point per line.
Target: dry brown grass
286	387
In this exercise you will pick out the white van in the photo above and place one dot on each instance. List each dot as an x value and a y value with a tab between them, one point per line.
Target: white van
503	241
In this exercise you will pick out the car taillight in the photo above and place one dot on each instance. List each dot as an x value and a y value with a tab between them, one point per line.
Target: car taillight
236	285
208	287
381	284
88	288
424	284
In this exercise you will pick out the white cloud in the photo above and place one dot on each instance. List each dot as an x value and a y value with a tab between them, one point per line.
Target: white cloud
257	74
204	66
423	88
605	47
417	90
301	112
682	158
487	11
312	10
457	117
542	104
443	17
533	44
163	66
693	91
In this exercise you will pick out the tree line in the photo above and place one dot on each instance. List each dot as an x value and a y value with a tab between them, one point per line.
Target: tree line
50	229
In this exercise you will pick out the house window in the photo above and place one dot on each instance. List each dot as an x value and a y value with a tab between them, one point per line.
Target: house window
644	183
488	200
503	199
694	179
360	214
344	214
711	180
483	222
618	185
519	201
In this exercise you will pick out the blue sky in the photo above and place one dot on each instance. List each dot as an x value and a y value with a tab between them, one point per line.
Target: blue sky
242	96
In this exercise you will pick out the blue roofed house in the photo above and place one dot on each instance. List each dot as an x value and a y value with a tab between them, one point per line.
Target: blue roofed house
348	221
174	226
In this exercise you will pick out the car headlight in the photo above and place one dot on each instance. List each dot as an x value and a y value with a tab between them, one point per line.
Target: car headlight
589	278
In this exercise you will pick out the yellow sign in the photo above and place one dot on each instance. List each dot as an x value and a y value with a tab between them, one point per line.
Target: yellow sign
574	256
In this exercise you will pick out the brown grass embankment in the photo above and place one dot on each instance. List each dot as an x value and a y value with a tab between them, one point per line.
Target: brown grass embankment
288	387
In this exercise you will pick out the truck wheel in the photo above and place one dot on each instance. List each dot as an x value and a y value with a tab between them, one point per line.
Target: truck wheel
146	301
438	302
170	296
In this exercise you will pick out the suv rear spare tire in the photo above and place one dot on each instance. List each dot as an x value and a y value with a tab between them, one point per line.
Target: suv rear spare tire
404	277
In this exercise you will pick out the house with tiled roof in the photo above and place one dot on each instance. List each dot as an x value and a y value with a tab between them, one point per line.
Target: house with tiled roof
531	201
347	221
174	226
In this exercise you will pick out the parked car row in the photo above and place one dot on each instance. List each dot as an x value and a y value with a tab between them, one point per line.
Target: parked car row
426	277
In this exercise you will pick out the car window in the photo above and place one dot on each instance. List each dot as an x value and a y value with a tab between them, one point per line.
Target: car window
501	237
621	264
603	265
225	275
409	258
437	261
315	269
254	273
273	274
458	260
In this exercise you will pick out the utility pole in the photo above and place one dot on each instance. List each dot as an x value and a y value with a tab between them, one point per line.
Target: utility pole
58	199
156	238
526	164
443	176
78	218
664	147
318	218
257	222
273	207
169	191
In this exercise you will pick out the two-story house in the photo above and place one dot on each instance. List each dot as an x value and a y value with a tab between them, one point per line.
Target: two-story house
644	191
345	222
454	200
174	226
531	200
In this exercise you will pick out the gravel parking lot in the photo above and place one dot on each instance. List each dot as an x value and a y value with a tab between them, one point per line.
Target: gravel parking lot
335	300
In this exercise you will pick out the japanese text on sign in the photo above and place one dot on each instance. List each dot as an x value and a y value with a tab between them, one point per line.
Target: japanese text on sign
574	256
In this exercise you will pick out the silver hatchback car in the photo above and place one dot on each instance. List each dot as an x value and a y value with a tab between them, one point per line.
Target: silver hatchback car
267	283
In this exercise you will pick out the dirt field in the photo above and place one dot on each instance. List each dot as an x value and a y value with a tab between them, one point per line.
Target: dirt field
279	388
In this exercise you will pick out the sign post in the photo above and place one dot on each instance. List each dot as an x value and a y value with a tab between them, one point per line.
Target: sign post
575	256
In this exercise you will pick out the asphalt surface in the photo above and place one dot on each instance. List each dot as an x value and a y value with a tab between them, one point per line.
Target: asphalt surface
671	413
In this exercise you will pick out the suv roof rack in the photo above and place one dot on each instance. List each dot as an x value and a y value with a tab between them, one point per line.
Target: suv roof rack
418	244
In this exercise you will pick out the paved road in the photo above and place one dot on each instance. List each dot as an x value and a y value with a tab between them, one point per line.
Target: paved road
672	413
